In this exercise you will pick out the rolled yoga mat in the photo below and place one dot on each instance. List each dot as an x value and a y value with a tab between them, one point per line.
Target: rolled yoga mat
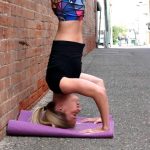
24	127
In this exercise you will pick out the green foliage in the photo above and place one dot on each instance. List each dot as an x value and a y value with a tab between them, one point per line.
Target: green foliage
118	30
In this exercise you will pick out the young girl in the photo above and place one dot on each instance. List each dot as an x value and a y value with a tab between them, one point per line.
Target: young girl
64	75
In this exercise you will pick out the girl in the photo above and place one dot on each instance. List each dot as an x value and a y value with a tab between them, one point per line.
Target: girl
64	75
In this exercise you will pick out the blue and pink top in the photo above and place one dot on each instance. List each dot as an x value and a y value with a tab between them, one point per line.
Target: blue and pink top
67	10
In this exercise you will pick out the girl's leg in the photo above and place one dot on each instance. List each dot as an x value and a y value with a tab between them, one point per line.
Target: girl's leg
90	89
93	79
97	81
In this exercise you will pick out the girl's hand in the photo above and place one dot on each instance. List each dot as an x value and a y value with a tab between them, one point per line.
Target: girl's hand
94	120
96	130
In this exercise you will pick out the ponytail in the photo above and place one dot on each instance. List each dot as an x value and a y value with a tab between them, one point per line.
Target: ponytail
48	116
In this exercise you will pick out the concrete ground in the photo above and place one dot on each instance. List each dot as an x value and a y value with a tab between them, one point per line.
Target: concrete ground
126	73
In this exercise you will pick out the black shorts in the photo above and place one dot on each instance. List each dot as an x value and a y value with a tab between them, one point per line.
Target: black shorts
64	61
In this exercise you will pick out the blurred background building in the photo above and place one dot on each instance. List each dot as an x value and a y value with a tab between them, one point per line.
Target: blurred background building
123	23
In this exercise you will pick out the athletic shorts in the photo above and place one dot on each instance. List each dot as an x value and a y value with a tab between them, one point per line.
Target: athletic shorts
64	61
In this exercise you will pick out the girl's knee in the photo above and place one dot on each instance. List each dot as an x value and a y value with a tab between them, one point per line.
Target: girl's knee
101	91
100	82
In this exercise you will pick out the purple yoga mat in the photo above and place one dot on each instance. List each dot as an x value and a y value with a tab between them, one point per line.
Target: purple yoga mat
24	127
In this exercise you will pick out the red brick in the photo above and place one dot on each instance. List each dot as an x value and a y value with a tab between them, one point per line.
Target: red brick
2	84
21	54
38	16
12	68
10	115
38	51
1	7
1	32
4	71
29	34
19	22
2	133
30	52
2	58
19	87
40	83
16	10
11	45
7	9
30	24
3	96
45	87
25	93
24	104
4	20
33	70
13	1
28	102
7	106
15	78
10	92
39	25
7	82
28	14
32	41
7	58
40	91
6	32
20	65
30	5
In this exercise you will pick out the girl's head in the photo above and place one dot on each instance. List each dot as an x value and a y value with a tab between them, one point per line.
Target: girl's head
61	112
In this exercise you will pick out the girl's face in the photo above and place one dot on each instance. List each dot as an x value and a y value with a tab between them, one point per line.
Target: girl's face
71	107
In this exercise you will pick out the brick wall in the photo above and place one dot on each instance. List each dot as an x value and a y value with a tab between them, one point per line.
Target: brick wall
27	28
89	29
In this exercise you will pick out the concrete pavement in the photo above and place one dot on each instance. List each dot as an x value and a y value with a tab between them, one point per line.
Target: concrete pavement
126	73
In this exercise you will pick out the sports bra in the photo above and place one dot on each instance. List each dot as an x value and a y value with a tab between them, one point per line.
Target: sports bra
67	10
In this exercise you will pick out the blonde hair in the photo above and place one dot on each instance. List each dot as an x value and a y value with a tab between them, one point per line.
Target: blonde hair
48	116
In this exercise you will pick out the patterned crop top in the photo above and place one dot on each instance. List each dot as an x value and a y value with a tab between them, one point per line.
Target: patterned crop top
67	10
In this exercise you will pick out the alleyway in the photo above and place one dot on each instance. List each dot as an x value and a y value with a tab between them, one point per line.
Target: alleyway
126	73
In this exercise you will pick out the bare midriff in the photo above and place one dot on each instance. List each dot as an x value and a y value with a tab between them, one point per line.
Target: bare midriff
70	31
